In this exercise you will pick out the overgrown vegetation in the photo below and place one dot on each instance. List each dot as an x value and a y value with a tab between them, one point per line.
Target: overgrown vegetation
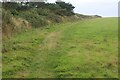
35	15
36	12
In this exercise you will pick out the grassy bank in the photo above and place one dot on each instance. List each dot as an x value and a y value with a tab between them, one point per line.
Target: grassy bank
82	49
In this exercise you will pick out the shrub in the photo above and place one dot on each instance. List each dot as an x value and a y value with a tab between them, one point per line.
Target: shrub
55	18
35	19
43	12
14	12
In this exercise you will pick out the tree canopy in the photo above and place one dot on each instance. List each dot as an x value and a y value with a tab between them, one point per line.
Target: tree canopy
59	7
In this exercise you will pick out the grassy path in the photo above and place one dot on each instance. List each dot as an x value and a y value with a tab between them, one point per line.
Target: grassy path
79	49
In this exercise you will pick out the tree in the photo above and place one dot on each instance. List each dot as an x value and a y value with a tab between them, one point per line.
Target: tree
66	6
10	5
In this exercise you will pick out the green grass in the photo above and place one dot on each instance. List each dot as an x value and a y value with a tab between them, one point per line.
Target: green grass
83	49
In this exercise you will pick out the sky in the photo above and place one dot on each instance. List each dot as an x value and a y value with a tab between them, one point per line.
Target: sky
105	8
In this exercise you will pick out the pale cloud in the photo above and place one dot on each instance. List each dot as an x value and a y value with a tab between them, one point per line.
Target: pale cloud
100	7
86	1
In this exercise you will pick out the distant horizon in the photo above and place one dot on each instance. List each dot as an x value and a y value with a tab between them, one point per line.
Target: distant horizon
95	14
107	8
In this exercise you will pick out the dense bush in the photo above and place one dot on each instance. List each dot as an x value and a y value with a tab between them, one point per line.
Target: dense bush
67	8
43	12
10	5
14	12
55	18
58	6
32	17
37	14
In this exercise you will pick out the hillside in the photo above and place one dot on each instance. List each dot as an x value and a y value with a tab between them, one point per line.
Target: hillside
80	49
20	17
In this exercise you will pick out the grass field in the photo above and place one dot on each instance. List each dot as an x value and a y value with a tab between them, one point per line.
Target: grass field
82	49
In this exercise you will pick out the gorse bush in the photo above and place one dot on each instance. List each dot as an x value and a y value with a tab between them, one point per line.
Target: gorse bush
35	19
42	6
37	14
43	12
55	18
14	12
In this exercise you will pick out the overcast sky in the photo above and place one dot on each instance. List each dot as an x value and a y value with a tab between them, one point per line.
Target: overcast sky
104	8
